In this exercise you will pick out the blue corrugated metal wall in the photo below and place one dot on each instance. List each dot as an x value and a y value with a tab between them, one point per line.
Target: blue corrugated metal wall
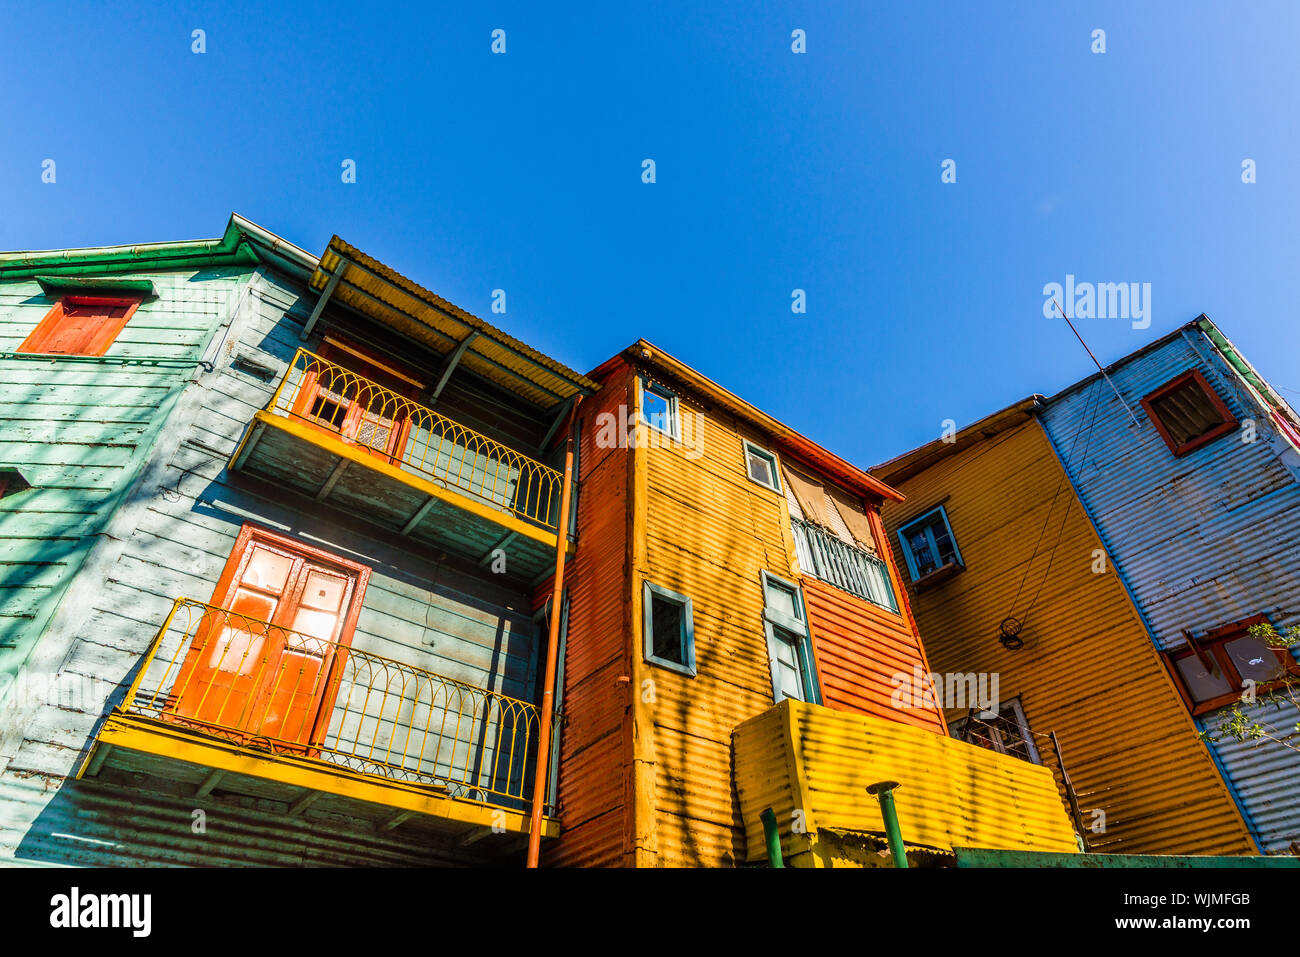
1201	541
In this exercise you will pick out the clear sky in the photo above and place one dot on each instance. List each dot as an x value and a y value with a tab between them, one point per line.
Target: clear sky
775	171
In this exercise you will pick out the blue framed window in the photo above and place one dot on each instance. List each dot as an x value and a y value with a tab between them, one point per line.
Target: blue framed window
761	466
789	645
669	629
929	544
659	408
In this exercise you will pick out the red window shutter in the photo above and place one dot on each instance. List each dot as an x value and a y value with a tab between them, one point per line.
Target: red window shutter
80	326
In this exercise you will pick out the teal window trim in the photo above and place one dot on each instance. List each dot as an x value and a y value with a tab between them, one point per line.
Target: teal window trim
926	519
770	458
674	430
687	635
798	627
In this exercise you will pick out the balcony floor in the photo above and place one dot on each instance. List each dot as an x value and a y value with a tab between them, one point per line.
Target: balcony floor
134	745
307	460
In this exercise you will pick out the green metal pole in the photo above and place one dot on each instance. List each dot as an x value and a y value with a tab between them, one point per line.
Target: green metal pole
884	790
773	838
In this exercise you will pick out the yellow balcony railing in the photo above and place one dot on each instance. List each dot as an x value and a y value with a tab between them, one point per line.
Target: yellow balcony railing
410	436
217	673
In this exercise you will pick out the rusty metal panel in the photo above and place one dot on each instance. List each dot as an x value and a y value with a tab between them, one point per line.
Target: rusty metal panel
951	793
860	647
1202	540
1088	670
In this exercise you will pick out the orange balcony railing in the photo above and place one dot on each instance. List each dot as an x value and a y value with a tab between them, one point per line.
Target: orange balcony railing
410	436
271	689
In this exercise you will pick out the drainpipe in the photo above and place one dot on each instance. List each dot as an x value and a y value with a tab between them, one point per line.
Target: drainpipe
773	837
542	772
884	790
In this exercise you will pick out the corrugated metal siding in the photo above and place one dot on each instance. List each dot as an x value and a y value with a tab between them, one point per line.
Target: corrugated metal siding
859	648
418	609
1203	540
710	532
594	752
1088	671
79	431
951	794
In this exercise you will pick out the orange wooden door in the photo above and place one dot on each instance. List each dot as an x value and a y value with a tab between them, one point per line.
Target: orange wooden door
262	661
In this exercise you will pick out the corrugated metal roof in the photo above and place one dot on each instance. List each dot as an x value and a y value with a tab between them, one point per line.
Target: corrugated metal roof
379	291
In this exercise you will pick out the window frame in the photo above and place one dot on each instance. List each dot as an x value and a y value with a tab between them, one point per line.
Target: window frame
644	384
1178	382
798	627
1213	645
958	729
906	547
103	339
772	460
648	590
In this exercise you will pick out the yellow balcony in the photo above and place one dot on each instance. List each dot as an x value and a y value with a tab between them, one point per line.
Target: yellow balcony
348	442
224	700
812	765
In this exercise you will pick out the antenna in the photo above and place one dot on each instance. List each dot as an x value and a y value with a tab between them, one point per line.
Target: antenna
1096	363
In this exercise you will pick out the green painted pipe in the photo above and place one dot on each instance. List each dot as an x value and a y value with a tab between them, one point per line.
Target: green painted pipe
773	838
884	790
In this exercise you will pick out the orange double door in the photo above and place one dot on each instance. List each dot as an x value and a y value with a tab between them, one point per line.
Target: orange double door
265	661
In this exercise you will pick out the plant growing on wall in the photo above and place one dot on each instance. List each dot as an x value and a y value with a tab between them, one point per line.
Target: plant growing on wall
1282	698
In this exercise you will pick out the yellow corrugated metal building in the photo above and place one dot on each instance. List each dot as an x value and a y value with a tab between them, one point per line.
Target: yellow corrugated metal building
1087	670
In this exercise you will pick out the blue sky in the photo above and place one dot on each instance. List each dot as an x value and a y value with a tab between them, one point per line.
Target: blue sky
775	171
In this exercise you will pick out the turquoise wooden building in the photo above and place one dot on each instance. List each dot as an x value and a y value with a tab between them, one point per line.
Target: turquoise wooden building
276	540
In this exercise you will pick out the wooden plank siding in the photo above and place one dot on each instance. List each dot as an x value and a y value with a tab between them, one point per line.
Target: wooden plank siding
79	432
1088	670
421	608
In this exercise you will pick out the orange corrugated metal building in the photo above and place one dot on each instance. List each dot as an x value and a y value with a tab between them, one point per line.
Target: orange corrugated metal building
647	773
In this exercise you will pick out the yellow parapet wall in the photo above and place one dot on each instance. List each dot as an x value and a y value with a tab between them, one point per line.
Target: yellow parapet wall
812	766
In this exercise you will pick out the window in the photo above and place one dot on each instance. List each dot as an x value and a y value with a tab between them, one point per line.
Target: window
1188	413
659	408
929	546
12	482
669	629
80	326
789	647
1008	733
1211	671
761	466
367	401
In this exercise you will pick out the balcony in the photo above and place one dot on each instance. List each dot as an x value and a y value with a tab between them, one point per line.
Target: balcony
805	758
221	699
836	562
351	443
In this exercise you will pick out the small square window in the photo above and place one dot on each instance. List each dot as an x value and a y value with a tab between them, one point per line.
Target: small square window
80	326
761	466
1188	413
659	408
929	545
669	629
1212	671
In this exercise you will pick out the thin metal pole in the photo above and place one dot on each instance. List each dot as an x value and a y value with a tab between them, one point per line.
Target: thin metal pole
884	790
1096	363
1069	789
542	773
773	838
